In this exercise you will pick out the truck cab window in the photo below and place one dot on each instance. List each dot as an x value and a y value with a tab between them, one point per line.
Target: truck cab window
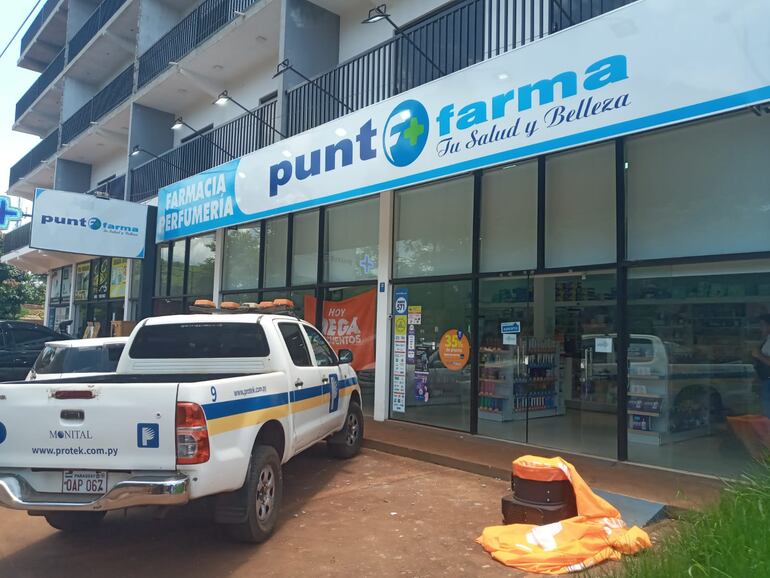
324	355
295	343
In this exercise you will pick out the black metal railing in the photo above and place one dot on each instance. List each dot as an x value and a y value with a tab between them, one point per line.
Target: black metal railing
95	22
37	23
463	34
117	91
18	238
238	137
566	13
41	83
115	188
192	31
42	151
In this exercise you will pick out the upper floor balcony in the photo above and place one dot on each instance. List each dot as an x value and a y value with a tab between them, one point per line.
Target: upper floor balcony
35	168
240	136
202	23
45	37
102	44
462	34
17	238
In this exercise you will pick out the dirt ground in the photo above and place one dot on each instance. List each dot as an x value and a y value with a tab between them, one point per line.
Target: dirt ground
375	515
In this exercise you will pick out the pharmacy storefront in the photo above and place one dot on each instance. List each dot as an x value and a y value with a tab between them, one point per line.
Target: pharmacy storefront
567	245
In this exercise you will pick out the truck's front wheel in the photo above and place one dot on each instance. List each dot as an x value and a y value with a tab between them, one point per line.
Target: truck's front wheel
264	490
347	442
74	521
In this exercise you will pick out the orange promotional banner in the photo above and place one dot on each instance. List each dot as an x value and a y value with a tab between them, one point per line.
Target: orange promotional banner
349	324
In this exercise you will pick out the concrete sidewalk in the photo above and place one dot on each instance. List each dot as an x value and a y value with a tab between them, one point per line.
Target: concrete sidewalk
493	458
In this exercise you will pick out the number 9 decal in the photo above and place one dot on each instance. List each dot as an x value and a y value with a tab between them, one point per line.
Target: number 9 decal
213	393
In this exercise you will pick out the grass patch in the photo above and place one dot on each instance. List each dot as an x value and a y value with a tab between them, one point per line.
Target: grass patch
731	539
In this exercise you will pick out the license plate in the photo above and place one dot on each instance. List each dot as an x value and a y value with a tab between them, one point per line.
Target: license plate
78	482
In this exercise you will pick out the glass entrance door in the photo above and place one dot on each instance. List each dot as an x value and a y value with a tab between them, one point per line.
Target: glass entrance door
571	363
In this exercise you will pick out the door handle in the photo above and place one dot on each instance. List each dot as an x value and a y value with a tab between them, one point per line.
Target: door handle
325	380
299	383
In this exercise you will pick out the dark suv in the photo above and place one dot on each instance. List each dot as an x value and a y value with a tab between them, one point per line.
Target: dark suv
20	344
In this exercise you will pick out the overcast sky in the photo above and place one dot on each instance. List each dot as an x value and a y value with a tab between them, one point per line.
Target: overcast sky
15	82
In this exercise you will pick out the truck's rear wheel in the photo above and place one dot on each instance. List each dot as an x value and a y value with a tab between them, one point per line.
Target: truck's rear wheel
347	442
74	521
264	490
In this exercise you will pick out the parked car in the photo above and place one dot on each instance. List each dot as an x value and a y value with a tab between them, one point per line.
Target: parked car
77	358
20	344
200	406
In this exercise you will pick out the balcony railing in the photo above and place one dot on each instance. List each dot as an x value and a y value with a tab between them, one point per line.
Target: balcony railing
192	31
566	13
41	83
44	150
105	100
240	136
18	238
465	33
116	187
95	22
37	23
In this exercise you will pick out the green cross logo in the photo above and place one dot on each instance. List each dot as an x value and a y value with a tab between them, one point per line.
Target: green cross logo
413	131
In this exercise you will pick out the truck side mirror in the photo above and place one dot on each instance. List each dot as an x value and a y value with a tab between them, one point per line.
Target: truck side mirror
346	356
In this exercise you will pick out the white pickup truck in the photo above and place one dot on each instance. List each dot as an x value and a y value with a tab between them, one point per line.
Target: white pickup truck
200	406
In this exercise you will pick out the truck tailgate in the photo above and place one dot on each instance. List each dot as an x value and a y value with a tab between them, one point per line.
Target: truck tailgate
109	426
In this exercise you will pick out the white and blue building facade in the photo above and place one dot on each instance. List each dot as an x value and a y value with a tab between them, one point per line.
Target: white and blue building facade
541	221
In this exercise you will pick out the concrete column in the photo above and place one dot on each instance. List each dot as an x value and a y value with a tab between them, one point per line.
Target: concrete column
127	297
47	298
150	129
74	95
155	20
72	298
72	176
78	11
219	254
384	307
310	39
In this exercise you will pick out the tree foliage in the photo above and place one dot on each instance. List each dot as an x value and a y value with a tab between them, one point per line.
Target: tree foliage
18	287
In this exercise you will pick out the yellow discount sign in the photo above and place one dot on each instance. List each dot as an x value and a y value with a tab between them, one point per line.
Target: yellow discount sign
454	349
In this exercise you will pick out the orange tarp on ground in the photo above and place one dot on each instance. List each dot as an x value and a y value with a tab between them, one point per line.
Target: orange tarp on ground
596	534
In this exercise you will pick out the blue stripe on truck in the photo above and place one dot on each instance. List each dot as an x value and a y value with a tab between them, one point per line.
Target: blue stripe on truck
234	407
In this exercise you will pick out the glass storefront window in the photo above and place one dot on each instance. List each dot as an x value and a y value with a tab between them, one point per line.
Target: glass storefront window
241	257
349	322
509	218
299	297
352	241
161	274
431	372
304	268
66	283
276	247
82	277
55	284
100	278
118	274
694	385
580	207
200	277
433	229
178	253
699	189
